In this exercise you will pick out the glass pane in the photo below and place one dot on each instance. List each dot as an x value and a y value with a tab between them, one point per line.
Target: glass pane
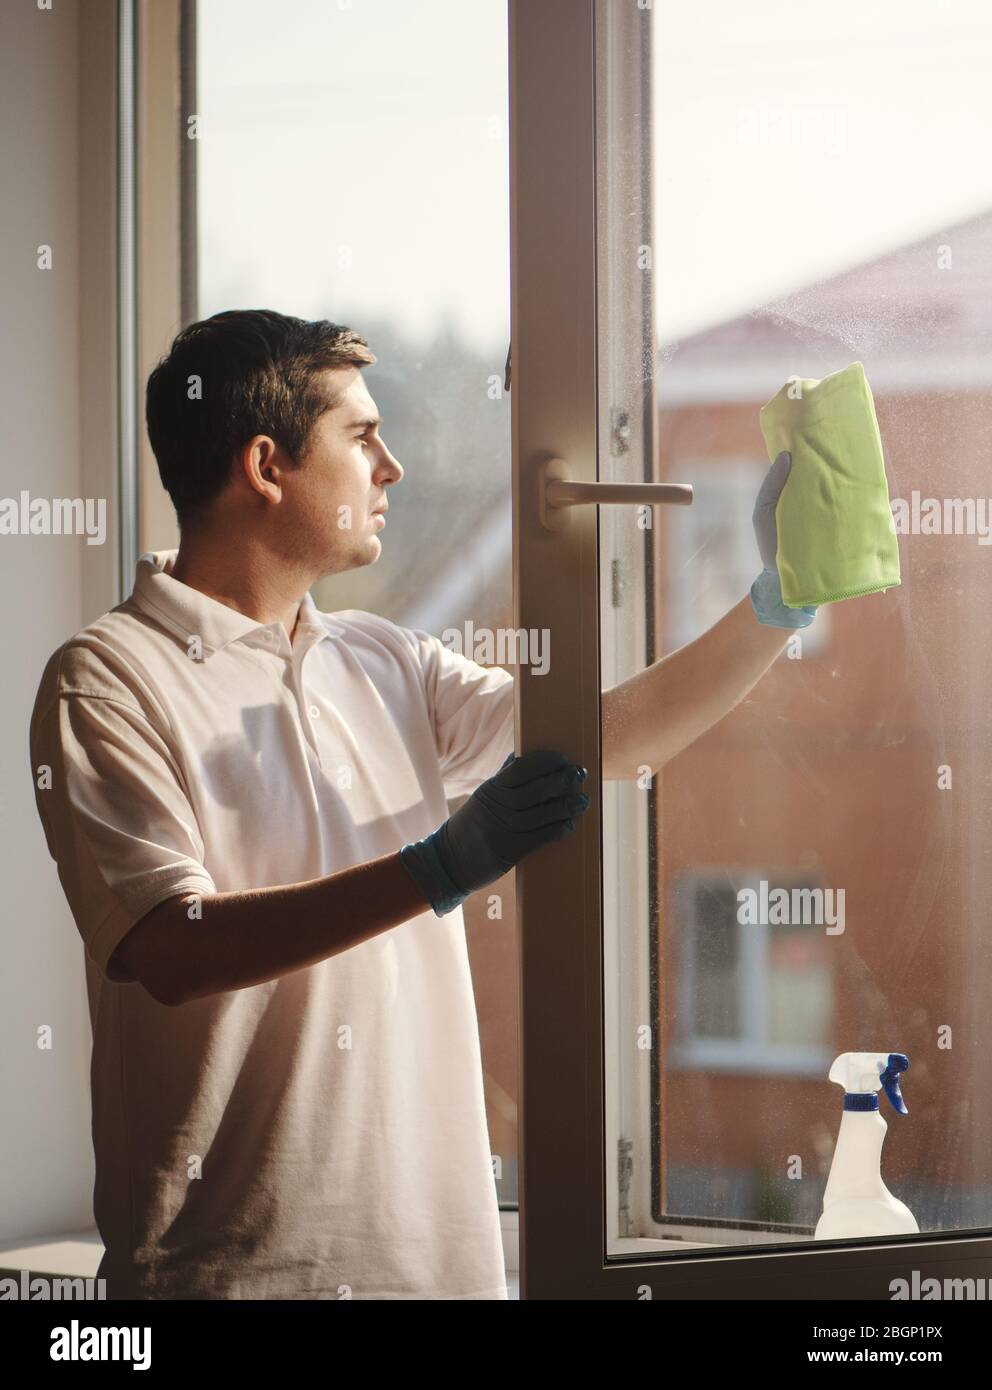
820	195
353	165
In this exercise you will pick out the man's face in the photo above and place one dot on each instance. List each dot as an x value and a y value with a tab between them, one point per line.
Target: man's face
338	493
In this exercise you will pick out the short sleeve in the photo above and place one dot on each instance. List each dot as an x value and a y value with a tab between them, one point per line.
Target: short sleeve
471	708
118	822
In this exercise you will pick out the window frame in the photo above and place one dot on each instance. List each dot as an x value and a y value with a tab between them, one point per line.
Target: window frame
556	133
165	37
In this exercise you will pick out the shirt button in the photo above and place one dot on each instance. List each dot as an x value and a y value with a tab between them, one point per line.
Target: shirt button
314	712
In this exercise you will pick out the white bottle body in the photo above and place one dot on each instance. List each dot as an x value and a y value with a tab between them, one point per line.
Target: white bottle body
856	1201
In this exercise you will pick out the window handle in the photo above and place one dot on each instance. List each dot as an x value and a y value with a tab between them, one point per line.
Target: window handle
557	492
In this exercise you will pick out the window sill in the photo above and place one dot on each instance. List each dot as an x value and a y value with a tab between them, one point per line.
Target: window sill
74	1256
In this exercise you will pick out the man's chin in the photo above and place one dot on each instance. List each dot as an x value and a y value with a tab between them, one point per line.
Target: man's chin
354	559
366	555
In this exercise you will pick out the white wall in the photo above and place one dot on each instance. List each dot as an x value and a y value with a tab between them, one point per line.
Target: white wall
57	392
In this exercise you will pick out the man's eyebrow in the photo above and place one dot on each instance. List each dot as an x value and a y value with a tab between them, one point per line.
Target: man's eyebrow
366	422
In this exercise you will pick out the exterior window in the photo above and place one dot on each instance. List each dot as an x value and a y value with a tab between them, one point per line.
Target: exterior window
755	973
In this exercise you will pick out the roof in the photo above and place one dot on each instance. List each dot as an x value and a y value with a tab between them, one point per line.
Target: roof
918	328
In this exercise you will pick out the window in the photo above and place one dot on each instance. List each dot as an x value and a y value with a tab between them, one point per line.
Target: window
755	985
719	222
352	165
755	977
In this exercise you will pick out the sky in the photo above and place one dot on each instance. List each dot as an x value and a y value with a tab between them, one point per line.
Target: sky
355	154
794	140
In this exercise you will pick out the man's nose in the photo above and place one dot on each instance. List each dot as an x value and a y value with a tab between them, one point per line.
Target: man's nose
393	466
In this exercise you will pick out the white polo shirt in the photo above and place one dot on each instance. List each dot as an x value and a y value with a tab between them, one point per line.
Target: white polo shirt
322	1135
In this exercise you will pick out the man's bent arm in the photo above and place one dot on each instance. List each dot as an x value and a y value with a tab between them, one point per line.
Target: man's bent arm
655	714
247	938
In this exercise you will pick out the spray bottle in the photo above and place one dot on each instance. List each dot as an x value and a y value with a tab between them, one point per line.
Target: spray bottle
856	1201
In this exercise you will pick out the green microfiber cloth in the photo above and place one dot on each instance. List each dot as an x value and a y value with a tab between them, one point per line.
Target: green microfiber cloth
836	537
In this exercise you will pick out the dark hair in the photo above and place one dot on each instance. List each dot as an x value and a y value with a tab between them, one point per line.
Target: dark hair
253	372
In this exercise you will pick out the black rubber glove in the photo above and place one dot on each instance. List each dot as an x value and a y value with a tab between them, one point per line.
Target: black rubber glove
529	802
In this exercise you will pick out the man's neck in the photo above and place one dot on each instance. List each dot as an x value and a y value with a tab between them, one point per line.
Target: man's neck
246	578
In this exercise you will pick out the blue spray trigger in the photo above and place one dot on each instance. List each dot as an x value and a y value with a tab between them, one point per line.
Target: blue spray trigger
898	1062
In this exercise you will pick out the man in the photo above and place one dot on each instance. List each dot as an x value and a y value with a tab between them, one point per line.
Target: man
247	805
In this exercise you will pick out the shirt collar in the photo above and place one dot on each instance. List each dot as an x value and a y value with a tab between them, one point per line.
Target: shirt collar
187	612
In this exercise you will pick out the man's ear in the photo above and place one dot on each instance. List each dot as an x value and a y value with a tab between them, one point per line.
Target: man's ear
260	466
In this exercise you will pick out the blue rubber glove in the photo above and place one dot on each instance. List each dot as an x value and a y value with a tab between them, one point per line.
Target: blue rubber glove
766	591
529	802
